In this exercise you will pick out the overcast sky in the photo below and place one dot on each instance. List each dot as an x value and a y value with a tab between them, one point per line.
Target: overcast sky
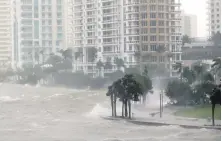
198	8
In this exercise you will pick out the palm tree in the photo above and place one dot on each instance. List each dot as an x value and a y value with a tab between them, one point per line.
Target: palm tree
138	57
37	57
43	56
99	66
77	55
199	70
67	54
92	52
185	39
126	89
216	39
160	49
169	56
108	65
179	67
215	98
188	74
216	68
119	63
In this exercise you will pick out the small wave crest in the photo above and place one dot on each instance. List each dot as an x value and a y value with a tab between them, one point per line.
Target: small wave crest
99	111
8	99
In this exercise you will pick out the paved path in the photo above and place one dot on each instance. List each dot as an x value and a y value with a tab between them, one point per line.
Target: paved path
168	118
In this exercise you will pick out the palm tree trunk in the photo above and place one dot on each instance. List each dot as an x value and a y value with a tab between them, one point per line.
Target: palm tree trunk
111	99
144	99
129	104
126	111
213	108
115	105
123	108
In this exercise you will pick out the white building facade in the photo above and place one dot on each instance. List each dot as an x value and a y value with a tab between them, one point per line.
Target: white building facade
40	30
6	35
214	16
119	28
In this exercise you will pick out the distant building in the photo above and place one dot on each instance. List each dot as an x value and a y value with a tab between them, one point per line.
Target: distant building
6	37
199	50
40	26
189	24
214	16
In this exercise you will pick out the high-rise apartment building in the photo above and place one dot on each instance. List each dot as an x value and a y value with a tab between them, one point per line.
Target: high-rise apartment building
120	28
214	16
6	25
189	24
41	27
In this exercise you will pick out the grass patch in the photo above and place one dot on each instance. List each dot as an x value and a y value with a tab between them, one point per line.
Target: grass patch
200	112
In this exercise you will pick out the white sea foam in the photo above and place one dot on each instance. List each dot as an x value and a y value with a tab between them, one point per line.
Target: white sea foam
55	95
8	99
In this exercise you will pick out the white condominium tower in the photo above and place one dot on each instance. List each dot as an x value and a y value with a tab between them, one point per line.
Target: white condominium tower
119	28
40	28
6	25
214	16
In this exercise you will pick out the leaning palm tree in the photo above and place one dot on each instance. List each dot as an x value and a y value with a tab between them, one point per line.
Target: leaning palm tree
99	66
179	67
119	63
199	71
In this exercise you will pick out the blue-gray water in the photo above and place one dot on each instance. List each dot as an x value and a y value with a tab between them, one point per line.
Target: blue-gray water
59	114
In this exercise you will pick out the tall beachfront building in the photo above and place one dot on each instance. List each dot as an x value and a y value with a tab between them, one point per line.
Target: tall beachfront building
214	16
121	28
6	35
40	29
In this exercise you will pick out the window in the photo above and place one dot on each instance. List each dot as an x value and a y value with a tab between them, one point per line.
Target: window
144	31
130	47
130	59
161	23
161	15
145	48
153	47
144	38
152	38
160	8
144	23
152	23
59	2
153	58
152	30
152	15
161	30
144	15
152	7
162	59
